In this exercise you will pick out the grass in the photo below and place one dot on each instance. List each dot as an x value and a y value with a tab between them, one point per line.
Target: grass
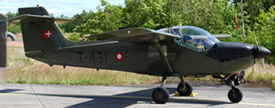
262	76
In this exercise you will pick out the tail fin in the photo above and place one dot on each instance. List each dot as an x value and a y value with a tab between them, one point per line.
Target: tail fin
40	30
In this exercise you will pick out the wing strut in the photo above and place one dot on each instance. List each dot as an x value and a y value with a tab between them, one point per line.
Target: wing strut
161	53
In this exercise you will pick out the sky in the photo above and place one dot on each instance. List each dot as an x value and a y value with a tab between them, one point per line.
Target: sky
56	7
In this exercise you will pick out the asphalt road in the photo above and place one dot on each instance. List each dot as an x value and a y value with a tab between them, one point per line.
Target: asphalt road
75	96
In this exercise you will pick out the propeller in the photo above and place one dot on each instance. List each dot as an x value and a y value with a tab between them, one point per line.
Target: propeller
259	52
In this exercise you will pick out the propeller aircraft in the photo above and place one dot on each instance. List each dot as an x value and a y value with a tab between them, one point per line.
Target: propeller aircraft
175	51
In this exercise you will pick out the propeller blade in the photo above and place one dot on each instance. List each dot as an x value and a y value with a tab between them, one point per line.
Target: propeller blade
262	62
256	42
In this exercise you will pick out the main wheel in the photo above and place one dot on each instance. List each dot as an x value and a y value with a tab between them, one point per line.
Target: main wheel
235	97
160	95
185	91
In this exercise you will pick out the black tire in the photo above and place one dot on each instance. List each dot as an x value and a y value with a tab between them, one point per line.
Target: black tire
160	95
185	92
235	98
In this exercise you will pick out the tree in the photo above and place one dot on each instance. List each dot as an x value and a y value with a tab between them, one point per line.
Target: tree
11	15
107	18
264	29
253	8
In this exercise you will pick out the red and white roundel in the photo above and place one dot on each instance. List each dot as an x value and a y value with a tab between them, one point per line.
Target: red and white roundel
119	56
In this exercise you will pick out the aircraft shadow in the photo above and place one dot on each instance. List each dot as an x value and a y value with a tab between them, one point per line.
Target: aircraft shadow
131	98
125	99
138	97
9	90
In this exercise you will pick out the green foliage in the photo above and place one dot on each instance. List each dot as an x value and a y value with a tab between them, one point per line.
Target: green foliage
74	37
12	15
253	7
264	29
215	17
107	19
78	20
14	28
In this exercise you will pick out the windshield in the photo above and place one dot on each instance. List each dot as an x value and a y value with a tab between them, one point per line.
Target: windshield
200	38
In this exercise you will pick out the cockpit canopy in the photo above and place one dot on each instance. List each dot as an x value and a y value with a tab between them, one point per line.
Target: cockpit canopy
201	39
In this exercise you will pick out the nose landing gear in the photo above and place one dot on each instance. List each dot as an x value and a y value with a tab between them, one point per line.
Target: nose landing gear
234	95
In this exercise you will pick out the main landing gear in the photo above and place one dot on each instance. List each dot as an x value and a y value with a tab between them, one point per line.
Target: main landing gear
161	95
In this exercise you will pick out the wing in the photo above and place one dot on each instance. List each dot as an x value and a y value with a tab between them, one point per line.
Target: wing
135	35
222	36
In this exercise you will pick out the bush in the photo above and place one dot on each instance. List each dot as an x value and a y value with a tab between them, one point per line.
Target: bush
14	28
74	37
264	29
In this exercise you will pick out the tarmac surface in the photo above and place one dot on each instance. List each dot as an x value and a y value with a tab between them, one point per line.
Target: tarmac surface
75	96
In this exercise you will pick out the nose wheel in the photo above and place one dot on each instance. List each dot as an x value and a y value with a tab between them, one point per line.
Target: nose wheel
235	95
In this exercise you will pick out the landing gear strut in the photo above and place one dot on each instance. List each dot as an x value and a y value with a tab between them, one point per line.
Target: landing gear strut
161	95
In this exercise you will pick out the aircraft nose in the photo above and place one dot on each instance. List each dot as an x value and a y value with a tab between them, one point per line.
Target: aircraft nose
260	52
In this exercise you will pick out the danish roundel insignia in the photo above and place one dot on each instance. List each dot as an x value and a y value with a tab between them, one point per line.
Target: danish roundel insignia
119	56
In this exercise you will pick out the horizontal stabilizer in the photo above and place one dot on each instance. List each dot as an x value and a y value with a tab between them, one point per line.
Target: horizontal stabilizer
17	19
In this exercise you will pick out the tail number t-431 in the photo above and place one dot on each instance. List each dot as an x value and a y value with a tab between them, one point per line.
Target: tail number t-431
95	57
